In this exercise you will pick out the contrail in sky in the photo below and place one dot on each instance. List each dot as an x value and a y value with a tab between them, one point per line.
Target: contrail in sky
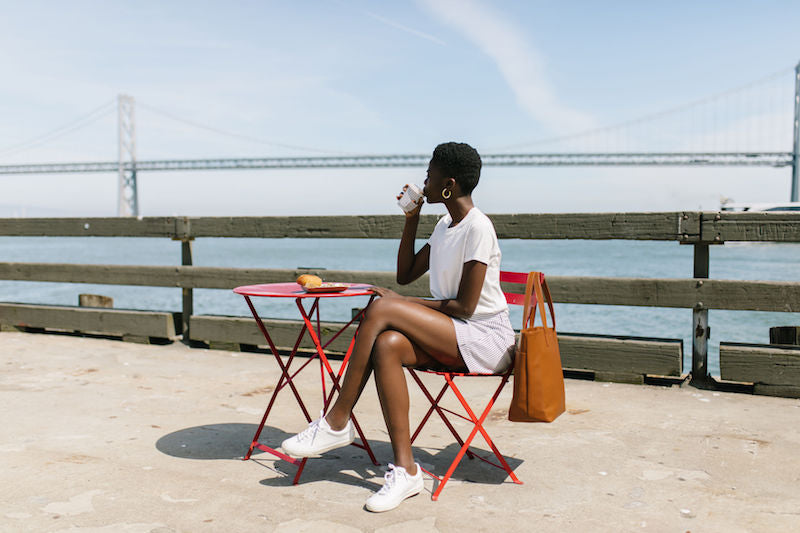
519	62
406	29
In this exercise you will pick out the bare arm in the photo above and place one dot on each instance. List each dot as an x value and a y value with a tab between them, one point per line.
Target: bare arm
469	292
410	265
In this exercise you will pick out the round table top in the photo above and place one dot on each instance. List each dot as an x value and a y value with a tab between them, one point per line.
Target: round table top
294	290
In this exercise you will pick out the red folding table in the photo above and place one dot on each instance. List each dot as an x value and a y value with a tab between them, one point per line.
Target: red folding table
311	326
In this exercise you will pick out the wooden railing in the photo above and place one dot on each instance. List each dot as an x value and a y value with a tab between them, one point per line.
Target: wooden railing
621	358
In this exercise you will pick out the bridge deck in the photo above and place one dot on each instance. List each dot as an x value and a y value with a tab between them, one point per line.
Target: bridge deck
114	436
771	159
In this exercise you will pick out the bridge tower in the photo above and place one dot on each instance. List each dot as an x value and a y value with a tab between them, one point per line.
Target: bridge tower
796	144
127	196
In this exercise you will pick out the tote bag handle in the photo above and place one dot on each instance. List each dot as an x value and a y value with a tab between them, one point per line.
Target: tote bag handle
537	284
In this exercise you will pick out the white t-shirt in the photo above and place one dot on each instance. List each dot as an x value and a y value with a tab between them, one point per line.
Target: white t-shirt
472	239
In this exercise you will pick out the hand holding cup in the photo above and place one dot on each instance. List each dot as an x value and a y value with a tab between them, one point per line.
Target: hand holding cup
410	199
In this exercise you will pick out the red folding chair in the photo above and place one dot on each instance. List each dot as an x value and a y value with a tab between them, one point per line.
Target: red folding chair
477	421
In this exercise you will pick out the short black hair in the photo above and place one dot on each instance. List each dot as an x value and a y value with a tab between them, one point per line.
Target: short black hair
459	161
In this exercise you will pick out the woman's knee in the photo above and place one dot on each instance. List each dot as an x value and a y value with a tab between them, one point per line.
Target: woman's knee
389	349
382	308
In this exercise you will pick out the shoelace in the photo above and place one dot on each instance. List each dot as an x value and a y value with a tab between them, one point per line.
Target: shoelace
390	477
309	432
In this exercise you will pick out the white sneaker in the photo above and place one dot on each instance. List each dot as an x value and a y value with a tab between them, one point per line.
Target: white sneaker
318	438
398	486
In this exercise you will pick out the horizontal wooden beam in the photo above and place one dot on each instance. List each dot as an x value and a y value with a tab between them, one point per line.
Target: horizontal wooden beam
328	227
678	293
89	320
621	355
284	333
670	226
678	226
89	227
155	276
681	226
618	355
193	276
773	370
751	226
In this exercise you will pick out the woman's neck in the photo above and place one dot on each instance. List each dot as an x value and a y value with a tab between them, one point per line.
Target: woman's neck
459	208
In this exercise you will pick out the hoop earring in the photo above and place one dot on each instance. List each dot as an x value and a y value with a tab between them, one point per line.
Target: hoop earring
449	194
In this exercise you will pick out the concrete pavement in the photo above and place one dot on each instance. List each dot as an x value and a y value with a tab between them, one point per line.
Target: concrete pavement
104	436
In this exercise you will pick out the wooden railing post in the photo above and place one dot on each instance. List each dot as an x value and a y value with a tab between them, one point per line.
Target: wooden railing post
187	308
700	330
183	234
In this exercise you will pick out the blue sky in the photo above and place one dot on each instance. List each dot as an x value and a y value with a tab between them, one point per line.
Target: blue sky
353	76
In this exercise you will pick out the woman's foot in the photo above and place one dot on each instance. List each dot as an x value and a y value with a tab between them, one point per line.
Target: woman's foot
398	486
318	438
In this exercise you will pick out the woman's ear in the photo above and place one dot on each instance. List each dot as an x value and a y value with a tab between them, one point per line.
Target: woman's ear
450	183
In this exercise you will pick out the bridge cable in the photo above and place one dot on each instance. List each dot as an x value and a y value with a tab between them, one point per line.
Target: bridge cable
80	122
239	135
651	116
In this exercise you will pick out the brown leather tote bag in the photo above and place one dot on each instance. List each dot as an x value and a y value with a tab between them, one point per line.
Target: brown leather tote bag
538	377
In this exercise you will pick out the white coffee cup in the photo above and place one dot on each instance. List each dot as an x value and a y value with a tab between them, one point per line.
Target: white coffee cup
409	199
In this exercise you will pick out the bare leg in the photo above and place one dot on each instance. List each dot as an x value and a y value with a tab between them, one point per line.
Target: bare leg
392	352
431	331
395	333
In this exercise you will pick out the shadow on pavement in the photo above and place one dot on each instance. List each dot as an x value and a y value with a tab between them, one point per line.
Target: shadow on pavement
216	441
468	470
341	465
349	465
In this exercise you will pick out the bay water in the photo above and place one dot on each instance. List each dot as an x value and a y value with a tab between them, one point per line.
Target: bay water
615	258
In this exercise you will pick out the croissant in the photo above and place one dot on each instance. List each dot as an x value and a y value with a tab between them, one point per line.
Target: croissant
309	281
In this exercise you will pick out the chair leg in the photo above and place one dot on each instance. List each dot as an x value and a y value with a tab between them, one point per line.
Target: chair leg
476	421
479	424
464	446
439	410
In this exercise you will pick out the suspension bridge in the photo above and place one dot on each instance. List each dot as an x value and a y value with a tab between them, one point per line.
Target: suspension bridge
752	118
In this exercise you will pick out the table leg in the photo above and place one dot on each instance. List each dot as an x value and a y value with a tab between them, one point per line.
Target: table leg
285	379
335	377
276	353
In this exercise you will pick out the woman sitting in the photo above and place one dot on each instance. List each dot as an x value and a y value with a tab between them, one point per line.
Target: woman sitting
465	327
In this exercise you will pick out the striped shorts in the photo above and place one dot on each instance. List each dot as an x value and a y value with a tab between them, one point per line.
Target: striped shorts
486	343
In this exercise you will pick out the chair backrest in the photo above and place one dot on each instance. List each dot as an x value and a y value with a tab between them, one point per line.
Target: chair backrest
516	277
